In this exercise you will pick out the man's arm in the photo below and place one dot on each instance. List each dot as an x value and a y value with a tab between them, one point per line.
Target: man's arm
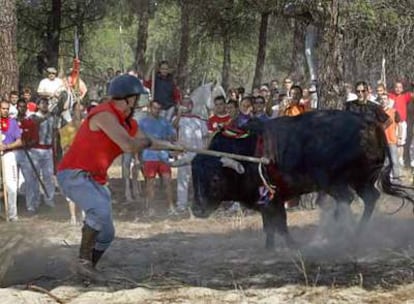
16	144
108	123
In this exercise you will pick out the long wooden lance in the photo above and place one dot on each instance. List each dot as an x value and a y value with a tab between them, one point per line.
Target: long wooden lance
35	171
153	77
3	177
259	160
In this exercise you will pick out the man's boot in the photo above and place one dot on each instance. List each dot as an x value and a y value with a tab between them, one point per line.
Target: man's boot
85	265
96	256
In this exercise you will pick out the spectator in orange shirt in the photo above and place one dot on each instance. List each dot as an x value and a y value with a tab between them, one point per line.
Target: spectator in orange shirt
401	101
293	106
391	132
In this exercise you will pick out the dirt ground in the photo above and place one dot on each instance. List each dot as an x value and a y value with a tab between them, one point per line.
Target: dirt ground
157	258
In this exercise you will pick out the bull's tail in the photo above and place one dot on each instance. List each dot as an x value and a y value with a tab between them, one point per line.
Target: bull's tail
388	187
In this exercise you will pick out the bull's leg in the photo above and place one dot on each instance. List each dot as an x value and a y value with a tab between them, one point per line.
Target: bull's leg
340	222
369	195
274	219
344	197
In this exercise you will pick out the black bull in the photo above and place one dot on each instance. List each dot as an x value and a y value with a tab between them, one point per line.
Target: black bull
326	151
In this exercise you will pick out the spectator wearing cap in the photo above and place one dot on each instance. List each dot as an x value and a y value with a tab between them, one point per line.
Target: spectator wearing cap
50	86
264	91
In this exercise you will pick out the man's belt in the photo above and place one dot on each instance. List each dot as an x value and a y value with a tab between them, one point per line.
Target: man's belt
38	146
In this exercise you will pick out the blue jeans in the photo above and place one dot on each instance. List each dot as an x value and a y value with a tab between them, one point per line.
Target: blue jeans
94	199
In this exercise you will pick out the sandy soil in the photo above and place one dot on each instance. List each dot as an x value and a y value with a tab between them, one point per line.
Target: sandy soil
158	258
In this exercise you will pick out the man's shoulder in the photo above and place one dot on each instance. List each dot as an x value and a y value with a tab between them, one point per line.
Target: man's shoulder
13	120
44	80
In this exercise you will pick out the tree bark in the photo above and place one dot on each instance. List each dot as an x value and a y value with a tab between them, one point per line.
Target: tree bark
182	69
9	71
226	61
261	52
53	34
331	87
142	34
298	63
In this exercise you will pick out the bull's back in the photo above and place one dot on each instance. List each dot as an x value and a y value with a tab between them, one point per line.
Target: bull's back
332	143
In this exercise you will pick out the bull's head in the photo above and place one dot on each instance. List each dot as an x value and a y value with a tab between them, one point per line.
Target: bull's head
214	181
222	179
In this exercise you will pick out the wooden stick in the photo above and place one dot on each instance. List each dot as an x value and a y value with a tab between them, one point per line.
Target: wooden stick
45	291
5	196
259	160
153	76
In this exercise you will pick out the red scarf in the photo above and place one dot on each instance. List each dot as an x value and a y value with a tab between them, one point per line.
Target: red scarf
5	123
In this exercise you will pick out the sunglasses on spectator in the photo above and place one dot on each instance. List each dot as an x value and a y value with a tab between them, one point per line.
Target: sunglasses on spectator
361	91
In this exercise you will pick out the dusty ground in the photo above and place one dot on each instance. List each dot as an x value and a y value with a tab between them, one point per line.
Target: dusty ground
176	259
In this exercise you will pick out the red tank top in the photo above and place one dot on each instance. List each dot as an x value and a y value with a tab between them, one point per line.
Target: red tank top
94	151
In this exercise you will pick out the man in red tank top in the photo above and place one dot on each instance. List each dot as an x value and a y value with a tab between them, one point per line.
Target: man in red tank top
106	132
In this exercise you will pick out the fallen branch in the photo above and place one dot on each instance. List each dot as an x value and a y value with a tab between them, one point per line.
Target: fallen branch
45	291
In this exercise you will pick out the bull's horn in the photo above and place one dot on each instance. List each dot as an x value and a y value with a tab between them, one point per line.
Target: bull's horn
233	164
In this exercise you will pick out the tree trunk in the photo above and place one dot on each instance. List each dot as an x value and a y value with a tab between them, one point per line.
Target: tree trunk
182	69
297	67
351	68
9	72
331	88
226	61
53	34
142	34
261	52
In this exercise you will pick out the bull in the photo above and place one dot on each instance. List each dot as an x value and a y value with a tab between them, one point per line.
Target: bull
332	152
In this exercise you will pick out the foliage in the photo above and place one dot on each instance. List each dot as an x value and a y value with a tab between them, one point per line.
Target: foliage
371	29
380	28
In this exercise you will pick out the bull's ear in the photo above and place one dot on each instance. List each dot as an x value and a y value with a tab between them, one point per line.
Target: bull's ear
254	126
